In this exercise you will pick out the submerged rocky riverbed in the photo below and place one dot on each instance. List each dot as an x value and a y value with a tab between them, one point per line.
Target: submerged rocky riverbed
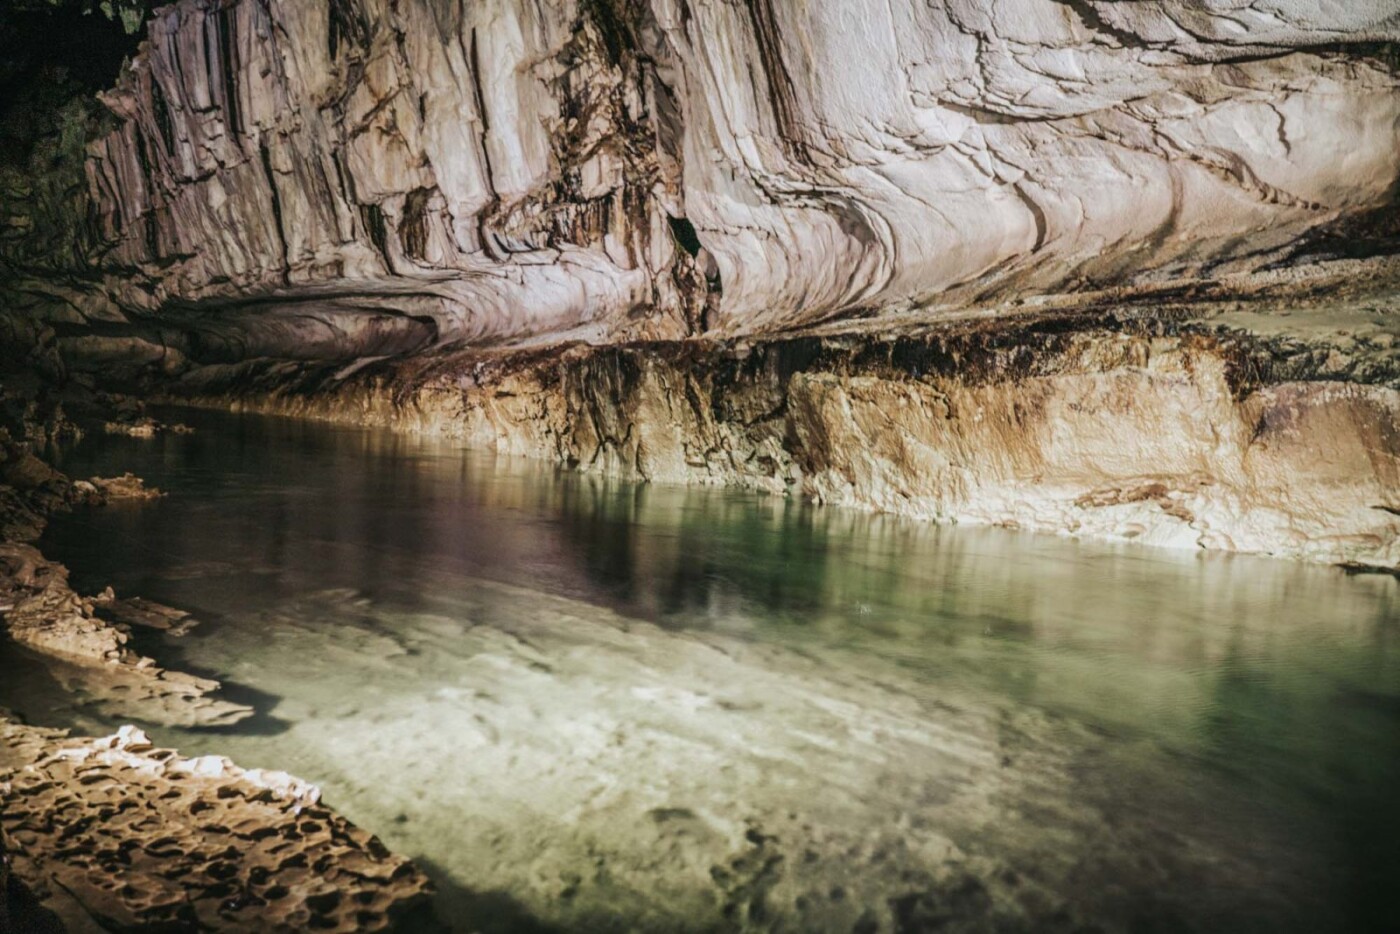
587	705
114	833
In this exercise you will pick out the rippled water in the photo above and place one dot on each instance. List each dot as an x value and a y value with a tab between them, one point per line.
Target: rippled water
587	705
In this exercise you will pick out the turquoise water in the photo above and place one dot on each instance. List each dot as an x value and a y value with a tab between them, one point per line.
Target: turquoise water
588	705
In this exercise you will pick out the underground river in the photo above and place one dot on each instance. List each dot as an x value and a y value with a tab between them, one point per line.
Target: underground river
589	705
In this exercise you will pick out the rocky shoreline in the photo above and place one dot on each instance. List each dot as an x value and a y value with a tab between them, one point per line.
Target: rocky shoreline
113	833
1262	427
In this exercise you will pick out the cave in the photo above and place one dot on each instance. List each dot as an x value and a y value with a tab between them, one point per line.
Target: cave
699	466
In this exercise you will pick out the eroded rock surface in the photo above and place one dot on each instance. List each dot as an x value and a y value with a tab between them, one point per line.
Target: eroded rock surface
415	190
94	660
133	837
1215	426
80	648
102	490
144	427
114	834
343	178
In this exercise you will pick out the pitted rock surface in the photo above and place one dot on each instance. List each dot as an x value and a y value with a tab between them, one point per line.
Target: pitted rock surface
141	838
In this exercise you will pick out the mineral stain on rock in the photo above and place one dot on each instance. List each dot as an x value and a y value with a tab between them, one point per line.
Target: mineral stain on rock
1168	424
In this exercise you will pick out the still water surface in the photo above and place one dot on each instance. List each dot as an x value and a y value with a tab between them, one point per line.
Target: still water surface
589	705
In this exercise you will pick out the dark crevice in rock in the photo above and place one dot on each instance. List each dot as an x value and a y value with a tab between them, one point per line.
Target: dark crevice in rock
413	227
780	88
372	216
229	67
279	223
1086	12
160	110
617	37
684	232
346	29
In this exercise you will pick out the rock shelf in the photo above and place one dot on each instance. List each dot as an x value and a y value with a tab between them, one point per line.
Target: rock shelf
116	834
135	837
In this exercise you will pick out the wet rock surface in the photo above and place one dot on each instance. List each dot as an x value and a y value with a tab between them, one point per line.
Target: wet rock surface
131	837
688	241
143	427
113	834
1221	425
102	490
38	608
92	654
652	708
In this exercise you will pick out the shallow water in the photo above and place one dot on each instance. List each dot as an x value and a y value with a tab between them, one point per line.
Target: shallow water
588	705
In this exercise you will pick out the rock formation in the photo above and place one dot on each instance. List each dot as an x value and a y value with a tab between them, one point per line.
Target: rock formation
84	641
93	658
118	833
114	834
351	178
1176	424
1024	263
345	182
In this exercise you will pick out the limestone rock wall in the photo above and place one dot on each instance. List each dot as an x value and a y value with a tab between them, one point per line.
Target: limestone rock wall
347	178
1134	425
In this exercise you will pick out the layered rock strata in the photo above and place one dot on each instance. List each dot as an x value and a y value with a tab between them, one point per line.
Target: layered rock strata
1212	426
338	183
342	178
117	834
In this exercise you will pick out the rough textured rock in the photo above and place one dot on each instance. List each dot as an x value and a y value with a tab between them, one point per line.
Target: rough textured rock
102	490
29	491
80	647
113	834
345	181
92	656
345	178
1187	426
139	838
138	611
144	427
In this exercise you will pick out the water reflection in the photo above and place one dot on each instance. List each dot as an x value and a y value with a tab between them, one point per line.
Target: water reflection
1144	739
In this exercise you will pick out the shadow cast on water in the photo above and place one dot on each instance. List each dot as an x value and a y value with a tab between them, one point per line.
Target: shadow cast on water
461	909
169	653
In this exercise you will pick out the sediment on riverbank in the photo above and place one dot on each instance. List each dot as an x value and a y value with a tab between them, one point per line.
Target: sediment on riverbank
115	833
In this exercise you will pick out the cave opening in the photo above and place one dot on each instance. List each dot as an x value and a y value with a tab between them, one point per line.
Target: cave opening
50	55
684	232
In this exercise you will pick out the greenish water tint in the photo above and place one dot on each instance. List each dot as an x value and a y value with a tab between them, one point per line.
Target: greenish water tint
588	705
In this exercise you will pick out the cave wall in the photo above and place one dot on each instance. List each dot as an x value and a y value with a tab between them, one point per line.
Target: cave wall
349	178
1146	424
